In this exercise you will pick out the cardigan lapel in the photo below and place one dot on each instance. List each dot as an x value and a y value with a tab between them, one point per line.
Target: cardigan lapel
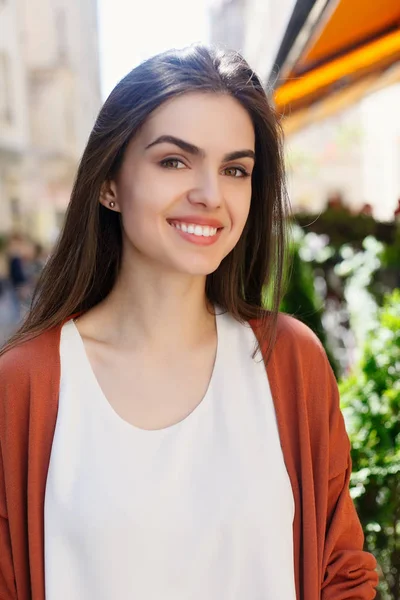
288	437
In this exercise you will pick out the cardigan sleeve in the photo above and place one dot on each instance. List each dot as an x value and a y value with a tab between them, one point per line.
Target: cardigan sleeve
7	579
349	572
8	383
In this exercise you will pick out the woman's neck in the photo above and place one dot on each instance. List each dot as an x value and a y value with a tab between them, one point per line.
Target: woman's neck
151	307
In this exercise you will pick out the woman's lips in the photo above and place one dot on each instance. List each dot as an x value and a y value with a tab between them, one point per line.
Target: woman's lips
196	233
196	220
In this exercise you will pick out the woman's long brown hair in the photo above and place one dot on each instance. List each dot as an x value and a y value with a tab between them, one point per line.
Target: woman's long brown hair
85	263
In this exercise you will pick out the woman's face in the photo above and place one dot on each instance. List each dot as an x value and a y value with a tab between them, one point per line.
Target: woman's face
184	187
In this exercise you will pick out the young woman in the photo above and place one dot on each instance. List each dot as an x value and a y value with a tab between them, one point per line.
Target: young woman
162	434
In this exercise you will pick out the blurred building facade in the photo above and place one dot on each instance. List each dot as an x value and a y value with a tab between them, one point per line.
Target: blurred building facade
354	154
253	27
49	98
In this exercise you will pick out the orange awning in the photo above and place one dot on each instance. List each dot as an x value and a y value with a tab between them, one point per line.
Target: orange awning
333	46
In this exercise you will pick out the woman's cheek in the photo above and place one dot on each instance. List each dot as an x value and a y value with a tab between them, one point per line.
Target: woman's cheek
240	213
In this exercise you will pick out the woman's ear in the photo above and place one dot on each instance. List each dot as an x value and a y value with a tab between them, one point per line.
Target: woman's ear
108	195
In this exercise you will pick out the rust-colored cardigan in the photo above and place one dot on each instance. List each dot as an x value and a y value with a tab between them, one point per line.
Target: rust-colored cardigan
328	540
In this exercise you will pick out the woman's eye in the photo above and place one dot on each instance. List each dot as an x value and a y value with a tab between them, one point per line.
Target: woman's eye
172	163
235	172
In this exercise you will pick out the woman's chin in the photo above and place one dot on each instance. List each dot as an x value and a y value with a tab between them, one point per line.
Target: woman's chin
199	267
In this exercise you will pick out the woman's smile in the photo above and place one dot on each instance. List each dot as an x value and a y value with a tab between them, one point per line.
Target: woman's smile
199	230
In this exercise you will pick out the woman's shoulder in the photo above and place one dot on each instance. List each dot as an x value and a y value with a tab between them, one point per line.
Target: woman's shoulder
291	334
292	330
29	387
29	357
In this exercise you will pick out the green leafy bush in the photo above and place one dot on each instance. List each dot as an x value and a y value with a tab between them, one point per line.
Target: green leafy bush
301	299
371	405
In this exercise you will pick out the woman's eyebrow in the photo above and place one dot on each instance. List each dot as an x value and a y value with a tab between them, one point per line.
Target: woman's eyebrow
196	151
171	139
240	154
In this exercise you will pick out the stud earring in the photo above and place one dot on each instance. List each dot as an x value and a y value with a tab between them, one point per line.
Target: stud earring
111	204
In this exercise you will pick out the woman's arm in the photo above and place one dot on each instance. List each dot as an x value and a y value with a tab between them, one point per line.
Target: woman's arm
349	572
7	580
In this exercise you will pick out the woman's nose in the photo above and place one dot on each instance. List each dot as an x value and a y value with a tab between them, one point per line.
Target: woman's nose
207	192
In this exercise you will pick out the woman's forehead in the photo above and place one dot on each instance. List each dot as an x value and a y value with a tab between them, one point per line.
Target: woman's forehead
201	118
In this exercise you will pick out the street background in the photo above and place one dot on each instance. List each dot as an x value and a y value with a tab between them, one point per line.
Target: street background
332	71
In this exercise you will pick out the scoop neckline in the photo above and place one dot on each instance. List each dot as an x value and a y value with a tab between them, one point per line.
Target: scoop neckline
108	410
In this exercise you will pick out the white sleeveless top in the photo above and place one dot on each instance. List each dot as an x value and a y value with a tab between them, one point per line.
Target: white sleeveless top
200	510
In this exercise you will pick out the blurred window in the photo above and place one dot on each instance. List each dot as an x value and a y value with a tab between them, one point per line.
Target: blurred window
15	206
5	89
61	28
60	216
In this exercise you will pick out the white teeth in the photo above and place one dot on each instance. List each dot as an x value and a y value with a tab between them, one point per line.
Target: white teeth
199	230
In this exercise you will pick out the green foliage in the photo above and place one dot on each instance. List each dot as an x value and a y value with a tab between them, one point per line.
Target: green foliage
371	405
343	227
391	256
357	269
301	299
